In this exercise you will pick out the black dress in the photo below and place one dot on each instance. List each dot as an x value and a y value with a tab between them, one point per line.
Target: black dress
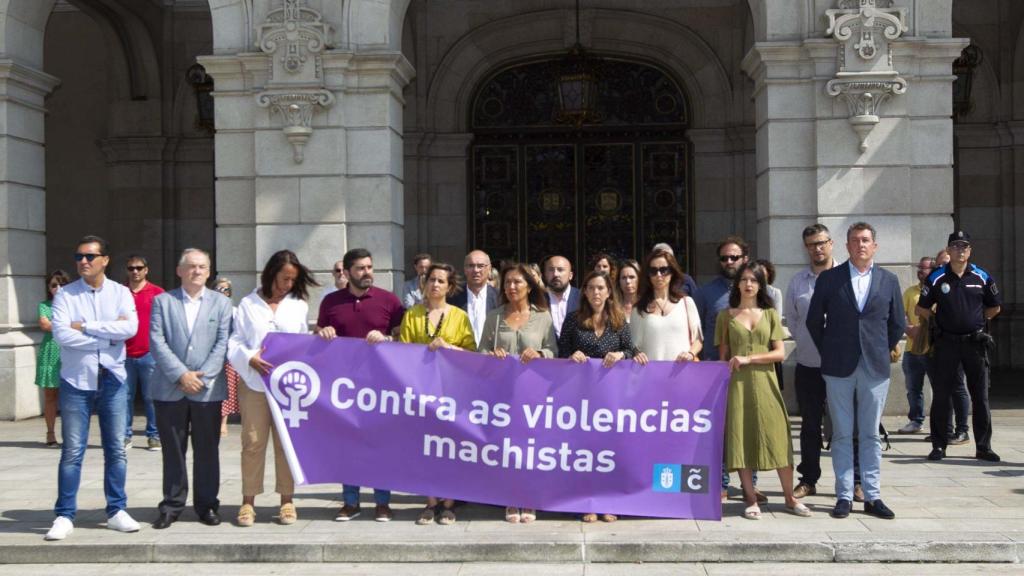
575	337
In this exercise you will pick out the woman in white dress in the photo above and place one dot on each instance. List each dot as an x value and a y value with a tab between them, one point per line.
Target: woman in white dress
664	320
278	304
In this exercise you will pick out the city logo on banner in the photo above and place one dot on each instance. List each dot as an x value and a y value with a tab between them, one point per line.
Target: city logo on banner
295	385
680	478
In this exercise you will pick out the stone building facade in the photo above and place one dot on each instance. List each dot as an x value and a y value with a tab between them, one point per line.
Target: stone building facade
246	126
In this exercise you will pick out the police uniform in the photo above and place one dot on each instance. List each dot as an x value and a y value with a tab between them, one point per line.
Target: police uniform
960	303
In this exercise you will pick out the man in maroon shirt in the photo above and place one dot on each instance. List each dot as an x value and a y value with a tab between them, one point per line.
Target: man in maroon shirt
361	311
139	364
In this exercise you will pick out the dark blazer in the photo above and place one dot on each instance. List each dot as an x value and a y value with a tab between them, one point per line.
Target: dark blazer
843	334
574	300
462	298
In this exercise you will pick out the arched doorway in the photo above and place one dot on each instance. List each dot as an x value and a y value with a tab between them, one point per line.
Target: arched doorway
618	184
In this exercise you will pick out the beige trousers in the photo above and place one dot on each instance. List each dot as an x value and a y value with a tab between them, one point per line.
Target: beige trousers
257	427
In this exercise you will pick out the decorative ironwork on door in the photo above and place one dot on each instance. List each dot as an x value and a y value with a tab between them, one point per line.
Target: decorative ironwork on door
540	187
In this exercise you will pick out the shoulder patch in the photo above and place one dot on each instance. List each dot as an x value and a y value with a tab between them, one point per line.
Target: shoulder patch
985	277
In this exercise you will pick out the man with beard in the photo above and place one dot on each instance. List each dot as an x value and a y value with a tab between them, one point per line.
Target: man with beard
810	386
361	311
563	299
711	299
479	297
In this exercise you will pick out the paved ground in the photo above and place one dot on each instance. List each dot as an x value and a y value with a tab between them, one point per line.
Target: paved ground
958	510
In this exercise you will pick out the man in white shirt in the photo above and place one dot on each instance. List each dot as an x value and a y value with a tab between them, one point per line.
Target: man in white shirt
92	318
562	298
479	297
188	336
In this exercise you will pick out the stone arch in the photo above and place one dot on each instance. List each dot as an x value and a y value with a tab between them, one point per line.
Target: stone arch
132	51
620	33
232	26
22	26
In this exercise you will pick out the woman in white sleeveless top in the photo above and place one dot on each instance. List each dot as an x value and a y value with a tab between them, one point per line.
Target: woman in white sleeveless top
664	322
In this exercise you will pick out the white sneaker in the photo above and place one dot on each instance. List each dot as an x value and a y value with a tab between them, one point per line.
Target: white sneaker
910	428
122	522
62	526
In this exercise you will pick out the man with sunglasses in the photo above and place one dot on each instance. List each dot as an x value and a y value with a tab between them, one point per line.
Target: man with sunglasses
92	318
965	298
140	364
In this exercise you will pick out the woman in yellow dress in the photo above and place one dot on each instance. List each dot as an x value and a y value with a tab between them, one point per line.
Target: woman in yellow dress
438	325
749	335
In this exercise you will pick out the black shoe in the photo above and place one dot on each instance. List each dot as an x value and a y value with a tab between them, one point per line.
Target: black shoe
164	521
937	454
958	439
878	509
210	518
842	509
987	455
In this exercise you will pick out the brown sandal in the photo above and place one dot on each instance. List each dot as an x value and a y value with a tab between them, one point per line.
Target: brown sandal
609	517
589	518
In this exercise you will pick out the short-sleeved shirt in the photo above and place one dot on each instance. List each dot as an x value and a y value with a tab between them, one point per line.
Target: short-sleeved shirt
920	345
138	346
355	317
960	302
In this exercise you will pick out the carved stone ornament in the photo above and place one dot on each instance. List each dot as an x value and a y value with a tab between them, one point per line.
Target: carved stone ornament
295	36
296	111
866	78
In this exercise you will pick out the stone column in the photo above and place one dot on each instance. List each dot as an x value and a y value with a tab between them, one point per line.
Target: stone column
23	90
308	149
840	139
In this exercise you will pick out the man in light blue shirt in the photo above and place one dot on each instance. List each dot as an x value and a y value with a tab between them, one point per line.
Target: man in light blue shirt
92	318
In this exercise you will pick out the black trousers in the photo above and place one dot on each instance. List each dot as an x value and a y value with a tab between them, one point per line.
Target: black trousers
950	355
811	399
176	421
961	401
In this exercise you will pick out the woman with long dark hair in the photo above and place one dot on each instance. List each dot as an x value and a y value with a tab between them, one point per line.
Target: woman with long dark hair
628	285
520	326
665	324
278	304
749	335
597	330
48	356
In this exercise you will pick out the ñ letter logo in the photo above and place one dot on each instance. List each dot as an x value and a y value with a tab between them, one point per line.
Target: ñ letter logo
294	385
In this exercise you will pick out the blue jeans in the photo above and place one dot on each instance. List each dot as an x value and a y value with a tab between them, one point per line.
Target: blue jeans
866	412
140	370
915	367
350	495
76	408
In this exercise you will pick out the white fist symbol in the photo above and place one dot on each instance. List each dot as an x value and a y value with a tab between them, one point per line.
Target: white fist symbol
296	381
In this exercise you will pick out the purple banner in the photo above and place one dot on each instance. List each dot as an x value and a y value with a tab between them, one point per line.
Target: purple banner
550	435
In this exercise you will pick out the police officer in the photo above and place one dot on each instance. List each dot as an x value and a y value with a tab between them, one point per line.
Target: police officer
965	297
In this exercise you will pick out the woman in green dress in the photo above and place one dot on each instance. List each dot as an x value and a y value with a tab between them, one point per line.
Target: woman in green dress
48	358
749	335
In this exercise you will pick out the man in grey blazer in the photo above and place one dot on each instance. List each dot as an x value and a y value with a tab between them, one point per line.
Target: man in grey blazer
188	333
856	319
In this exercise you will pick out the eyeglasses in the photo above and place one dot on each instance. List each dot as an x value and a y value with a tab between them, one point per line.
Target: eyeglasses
135	268
223	290
960	246
729	258
817	245
87	257
660	271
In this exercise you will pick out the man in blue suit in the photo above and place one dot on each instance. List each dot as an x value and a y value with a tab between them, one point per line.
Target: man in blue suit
188	334
856	319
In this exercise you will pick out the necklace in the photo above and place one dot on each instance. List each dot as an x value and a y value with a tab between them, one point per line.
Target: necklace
437	329
661	307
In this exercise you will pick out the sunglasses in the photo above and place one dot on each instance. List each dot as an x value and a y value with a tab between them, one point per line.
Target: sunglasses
87	257
135	268
338	270
660	271
223	290
729	258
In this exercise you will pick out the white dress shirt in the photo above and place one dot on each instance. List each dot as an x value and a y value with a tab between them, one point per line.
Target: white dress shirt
476	308
192	306
108	319
861	284
558	308
253	321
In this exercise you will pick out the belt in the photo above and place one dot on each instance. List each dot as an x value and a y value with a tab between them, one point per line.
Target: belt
958	337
